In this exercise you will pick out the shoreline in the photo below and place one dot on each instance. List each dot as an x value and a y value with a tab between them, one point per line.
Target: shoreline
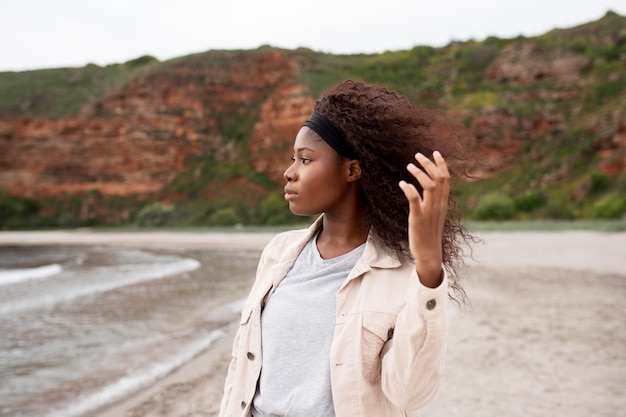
153	239
520	326
579	250
208	369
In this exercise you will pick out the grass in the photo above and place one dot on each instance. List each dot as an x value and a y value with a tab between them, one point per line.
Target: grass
62	91
473	226
548	226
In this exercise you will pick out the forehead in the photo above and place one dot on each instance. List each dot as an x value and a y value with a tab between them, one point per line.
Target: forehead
307	138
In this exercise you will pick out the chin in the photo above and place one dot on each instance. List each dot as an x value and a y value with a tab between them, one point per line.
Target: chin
300	212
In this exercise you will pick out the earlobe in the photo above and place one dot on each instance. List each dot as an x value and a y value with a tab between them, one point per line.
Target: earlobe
354	171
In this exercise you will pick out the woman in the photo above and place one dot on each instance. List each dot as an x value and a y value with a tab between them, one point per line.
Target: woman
348	317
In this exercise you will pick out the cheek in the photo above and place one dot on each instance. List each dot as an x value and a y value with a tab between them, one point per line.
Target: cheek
328	174
330	186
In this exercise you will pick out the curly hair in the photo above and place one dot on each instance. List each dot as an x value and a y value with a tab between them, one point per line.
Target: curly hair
386	131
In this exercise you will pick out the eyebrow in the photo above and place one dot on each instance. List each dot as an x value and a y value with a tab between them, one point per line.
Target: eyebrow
304	148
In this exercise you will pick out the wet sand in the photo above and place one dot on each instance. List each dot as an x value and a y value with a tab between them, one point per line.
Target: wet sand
543	335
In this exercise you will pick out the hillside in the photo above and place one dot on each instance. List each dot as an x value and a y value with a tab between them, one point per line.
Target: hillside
203	139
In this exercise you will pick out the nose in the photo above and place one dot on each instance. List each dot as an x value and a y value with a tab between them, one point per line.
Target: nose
289	173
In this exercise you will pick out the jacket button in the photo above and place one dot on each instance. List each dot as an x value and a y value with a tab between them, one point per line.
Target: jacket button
243	405
430	304
250	356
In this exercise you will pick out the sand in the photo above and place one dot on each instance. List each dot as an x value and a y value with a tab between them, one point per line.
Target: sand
544	334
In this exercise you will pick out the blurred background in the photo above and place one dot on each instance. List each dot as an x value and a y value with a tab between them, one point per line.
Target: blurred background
163	114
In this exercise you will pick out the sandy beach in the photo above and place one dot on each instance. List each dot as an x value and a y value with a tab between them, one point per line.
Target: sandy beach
542	336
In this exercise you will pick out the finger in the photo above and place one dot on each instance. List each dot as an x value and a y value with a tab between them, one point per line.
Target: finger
411	194
424	180
438	173
441	163
445	178
431	168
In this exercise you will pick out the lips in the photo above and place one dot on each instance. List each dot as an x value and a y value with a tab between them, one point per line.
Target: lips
289	194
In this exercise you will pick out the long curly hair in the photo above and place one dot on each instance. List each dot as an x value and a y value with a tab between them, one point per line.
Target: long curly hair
386	131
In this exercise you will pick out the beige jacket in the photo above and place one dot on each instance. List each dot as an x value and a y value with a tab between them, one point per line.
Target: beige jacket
390	334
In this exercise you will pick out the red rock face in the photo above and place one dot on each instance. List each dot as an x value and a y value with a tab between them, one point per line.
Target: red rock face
45	158
272	139
610	143
138	139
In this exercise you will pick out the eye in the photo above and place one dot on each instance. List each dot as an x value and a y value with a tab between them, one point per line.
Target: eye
305	161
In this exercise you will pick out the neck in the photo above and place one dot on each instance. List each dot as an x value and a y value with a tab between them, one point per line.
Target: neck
341	234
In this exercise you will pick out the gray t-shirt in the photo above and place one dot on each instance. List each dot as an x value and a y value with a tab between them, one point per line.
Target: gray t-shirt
297	326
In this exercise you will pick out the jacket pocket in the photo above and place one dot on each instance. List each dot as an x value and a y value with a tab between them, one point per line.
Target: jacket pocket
377	329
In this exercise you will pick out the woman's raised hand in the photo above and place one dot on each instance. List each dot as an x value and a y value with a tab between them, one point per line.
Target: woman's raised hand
427	215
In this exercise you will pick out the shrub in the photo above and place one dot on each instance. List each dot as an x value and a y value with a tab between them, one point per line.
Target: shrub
494	206
480	100
477	58
16	206
598	182
495	41
16	211
610	52
559	208
529	201
224	217
608	207
274	210
580	45
142	60
154	215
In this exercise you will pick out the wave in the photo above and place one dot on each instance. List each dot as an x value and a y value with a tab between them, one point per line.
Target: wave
14	276
127	275
138	380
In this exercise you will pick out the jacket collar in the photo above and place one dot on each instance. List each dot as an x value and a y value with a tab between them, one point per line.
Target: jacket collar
374	255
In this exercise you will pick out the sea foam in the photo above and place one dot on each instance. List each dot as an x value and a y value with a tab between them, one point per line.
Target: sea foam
140	379
128	275
14	276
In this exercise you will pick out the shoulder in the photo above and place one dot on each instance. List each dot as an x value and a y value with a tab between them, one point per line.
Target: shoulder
286	239
286	245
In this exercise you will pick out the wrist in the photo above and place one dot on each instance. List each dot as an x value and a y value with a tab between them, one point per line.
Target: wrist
431	276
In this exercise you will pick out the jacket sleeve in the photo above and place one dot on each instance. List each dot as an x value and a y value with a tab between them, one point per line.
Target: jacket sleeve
412	361
230	376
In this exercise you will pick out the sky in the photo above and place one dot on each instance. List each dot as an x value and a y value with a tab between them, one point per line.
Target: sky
72	33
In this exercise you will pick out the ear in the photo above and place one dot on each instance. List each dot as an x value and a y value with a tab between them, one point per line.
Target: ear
354	170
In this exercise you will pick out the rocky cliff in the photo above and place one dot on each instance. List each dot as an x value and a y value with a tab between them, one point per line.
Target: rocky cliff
136	140
524	100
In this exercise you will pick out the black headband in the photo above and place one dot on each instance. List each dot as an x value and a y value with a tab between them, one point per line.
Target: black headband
331	134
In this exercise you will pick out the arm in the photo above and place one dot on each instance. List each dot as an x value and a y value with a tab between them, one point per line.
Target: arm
413	360
427	216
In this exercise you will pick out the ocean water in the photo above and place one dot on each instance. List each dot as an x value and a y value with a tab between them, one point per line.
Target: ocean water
82	327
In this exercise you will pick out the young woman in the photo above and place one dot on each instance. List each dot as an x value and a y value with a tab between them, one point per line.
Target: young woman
348	317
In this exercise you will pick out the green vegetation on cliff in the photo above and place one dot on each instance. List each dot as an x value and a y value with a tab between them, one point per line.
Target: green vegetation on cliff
63	91
553	108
